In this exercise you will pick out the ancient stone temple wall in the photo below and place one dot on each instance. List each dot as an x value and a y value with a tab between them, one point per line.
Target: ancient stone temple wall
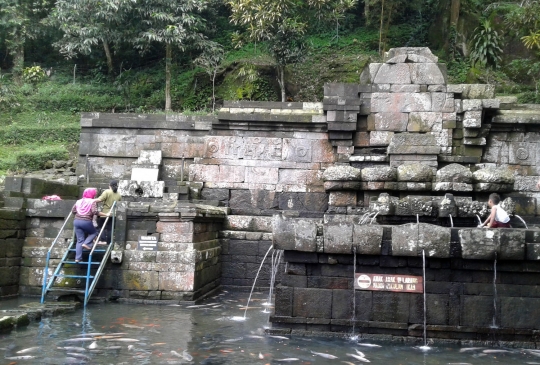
394	166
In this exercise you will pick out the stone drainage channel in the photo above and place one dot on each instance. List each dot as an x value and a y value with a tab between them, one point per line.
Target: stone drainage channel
208	333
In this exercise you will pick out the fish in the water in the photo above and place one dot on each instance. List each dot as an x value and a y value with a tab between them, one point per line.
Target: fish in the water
91	334
254	336
348	363
358	357
21	357
466	349
279	337
360	353
322	354
490	351
368	345
93	345
234	339
72	348
27	350
132	326
81	339
288	359
122	340
261	356
79	355
186	356
174	353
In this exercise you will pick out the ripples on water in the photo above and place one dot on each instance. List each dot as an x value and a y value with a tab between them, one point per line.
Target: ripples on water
132	334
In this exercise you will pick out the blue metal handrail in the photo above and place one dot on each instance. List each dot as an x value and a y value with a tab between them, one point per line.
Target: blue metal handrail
46	271
89	289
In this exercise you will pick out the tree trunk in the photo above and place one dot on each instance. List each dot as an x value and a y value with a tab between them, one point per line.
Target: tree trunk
109	57
18	60
281	81
381	28
389	10
214	90
168	56
454	11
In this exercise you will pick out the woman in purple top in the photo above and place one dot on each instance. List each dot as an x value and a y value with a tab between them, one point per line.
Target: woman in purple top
85	209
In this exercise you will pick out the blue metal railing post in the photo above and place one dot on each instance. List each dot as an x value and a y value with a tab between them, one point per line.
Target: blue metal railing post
46	270
90	288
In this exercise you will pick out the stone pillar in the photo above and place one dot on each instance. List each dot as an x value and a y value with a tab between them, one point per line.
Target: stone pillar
12	231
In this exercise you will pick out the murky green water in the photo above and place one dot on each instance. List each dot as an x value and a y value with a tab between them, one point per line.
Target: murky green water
115	333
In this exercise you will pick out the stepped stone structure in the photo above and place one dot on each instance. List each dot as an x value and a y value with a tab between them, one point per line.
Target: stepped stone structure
378	174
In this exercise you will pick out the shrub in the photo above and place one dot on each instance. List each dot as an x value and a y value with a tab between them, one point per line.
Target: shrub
36	159
486	48
20	135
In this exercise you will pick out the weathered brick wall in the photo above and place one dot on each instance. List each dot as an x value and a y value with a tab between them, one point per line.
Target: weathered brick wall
44	219
254	169
245	241
12	231
316	294
186	266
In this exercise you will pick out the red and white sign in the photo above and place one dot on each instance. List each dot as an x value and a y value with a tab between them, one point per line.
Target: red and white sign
386	282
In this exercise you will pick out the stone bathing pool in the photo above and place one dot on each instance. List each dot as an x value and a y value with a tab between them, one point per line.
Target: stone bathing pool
117	333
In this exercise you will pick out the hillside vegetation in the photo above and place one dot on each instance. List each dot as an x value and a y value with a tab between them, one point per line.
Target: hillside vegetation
57	71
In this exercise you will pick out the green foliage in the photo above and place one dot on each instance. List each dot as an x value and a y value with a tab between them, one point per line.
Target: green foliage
486	48
20	20
34	74
36	159
522	18
30	157
458	70
532	40
8	97
21	135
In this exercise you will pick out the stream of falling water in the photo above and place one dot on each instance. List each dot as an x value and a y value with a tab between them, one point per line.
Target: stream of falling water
354	297
451	221
424	287
494	323
522	221
276	259
254	282
479	220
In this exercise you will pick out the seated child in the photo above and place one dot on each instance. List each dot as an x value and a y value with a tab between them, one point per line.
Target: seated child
498	217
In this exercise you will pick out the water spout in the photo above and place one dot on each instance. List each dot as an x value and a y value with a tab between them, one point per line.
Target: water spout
370	216
373	219
479	220
451	221
417	219
522	221
494	323
255	281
